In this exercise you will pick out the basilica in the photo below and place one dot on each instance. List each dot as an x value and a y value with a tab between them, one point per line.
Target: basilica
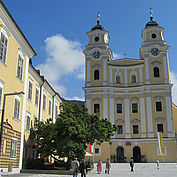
134	94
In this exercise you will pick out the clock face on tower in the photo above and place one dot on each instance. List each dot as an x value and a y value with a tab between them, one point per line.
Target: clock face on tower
155	51
96	54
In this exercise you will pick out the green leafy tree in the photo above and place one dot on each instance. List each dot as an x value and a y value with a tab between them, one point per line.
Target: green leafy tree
73	130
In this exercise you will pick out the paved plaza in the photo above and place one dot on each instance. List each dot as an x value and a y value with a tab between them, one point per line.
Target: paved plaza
123	170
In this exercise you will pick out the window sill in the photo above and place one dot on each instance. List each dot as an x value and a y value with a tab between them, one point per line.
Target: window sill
19	79
16	119
12	158
3	63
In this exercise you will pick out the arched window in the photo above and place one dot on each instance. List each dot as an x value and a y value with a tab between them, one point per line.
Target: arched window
133	78
118	79
156	72
96	74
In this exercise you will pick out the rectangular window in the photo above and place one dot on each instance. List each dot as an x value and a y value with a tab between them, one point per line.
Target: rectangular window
134	107
0	97
160	128
158	106
30	90
56	111
120	129
28	123
44	101
49	107
17	109
135	129
96	108
20	68
36	97
97	150
13	148
3	49
119	108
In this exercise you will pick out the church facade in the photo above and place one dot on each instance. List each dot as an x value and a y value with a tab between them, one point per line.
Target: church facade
134	94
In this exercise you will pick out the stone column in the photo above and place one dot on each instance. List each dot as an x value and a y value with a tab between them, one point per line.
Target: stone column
143	119
104	73
165	68
147	68
169	115
88	73
149	115
105	105
127	116
125	73
110	71
88	102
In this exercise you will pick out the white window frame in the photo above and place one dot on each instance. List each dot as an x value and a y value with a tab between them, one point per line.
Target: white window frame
56	111
13	152
20	65
136	122
37	97
134	100
131	74
44	101
158	99
17	112
28	122
97	154
96	67
6	34
96	101
119	101
50	106
30	90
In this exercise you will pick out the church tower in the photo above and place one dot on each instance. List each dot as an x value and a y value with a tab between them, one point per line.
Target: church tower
134	94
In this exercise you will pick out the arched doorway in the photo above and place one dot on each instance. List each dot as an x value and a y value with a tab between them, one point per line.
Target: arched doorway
137	154
120	154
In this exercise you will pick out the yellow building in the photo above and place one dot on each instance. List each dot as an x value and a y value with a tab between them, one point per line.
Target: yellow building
14	63
134	94
42	103
27	95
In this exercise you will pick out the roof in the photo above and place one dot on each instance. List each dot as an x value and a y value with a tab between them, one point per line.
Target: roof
5	8
98	26
152	23
124	62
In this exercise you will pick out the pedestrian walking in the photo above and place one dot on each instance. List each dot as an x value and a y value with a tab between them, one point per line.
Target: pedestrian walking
157	164
75	167
83	168
108	166
131	163
99	167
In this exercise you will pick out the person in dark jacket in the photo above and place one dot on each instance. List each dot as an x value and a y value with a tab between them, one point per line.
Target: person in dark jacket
82	168
131	163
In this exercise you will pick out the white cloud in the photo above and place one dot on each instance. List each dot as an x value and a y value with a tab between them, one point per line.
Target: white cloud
116	56
173	78
65	57
75	98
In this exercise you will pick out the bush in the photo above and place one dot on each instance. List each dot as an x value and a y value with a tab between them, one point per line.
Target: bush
34	164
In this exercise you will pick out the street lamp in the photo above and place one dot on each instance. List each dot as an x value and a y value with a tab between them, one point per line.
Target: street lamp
2	116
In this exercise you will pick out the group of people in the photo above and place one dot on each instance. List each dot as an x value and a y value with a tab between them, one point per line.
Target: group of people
82	167
99	166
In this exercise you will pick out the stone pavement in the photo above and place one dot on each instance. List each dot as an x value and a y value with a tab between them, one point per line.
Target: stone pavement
123	170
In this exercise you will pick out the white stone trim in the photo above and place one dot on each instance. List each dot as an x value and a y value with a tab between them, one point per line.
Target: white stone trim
88	72
165	69
105	105
147	69
125	72
169	116
125	67
143	119
104	73
23	112
110	70
141	75
127	116
149	116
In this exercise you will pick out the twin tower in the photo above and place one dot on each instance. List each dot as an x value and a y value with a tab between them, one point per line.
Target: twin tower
134	94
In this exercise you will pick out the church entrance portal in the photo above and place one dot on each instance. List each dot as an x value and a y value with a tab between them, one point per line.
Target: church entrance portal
137	154
120	154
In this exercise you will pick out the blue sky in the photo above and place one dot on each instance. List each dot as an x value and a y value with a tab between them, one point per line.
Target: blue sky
57	31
